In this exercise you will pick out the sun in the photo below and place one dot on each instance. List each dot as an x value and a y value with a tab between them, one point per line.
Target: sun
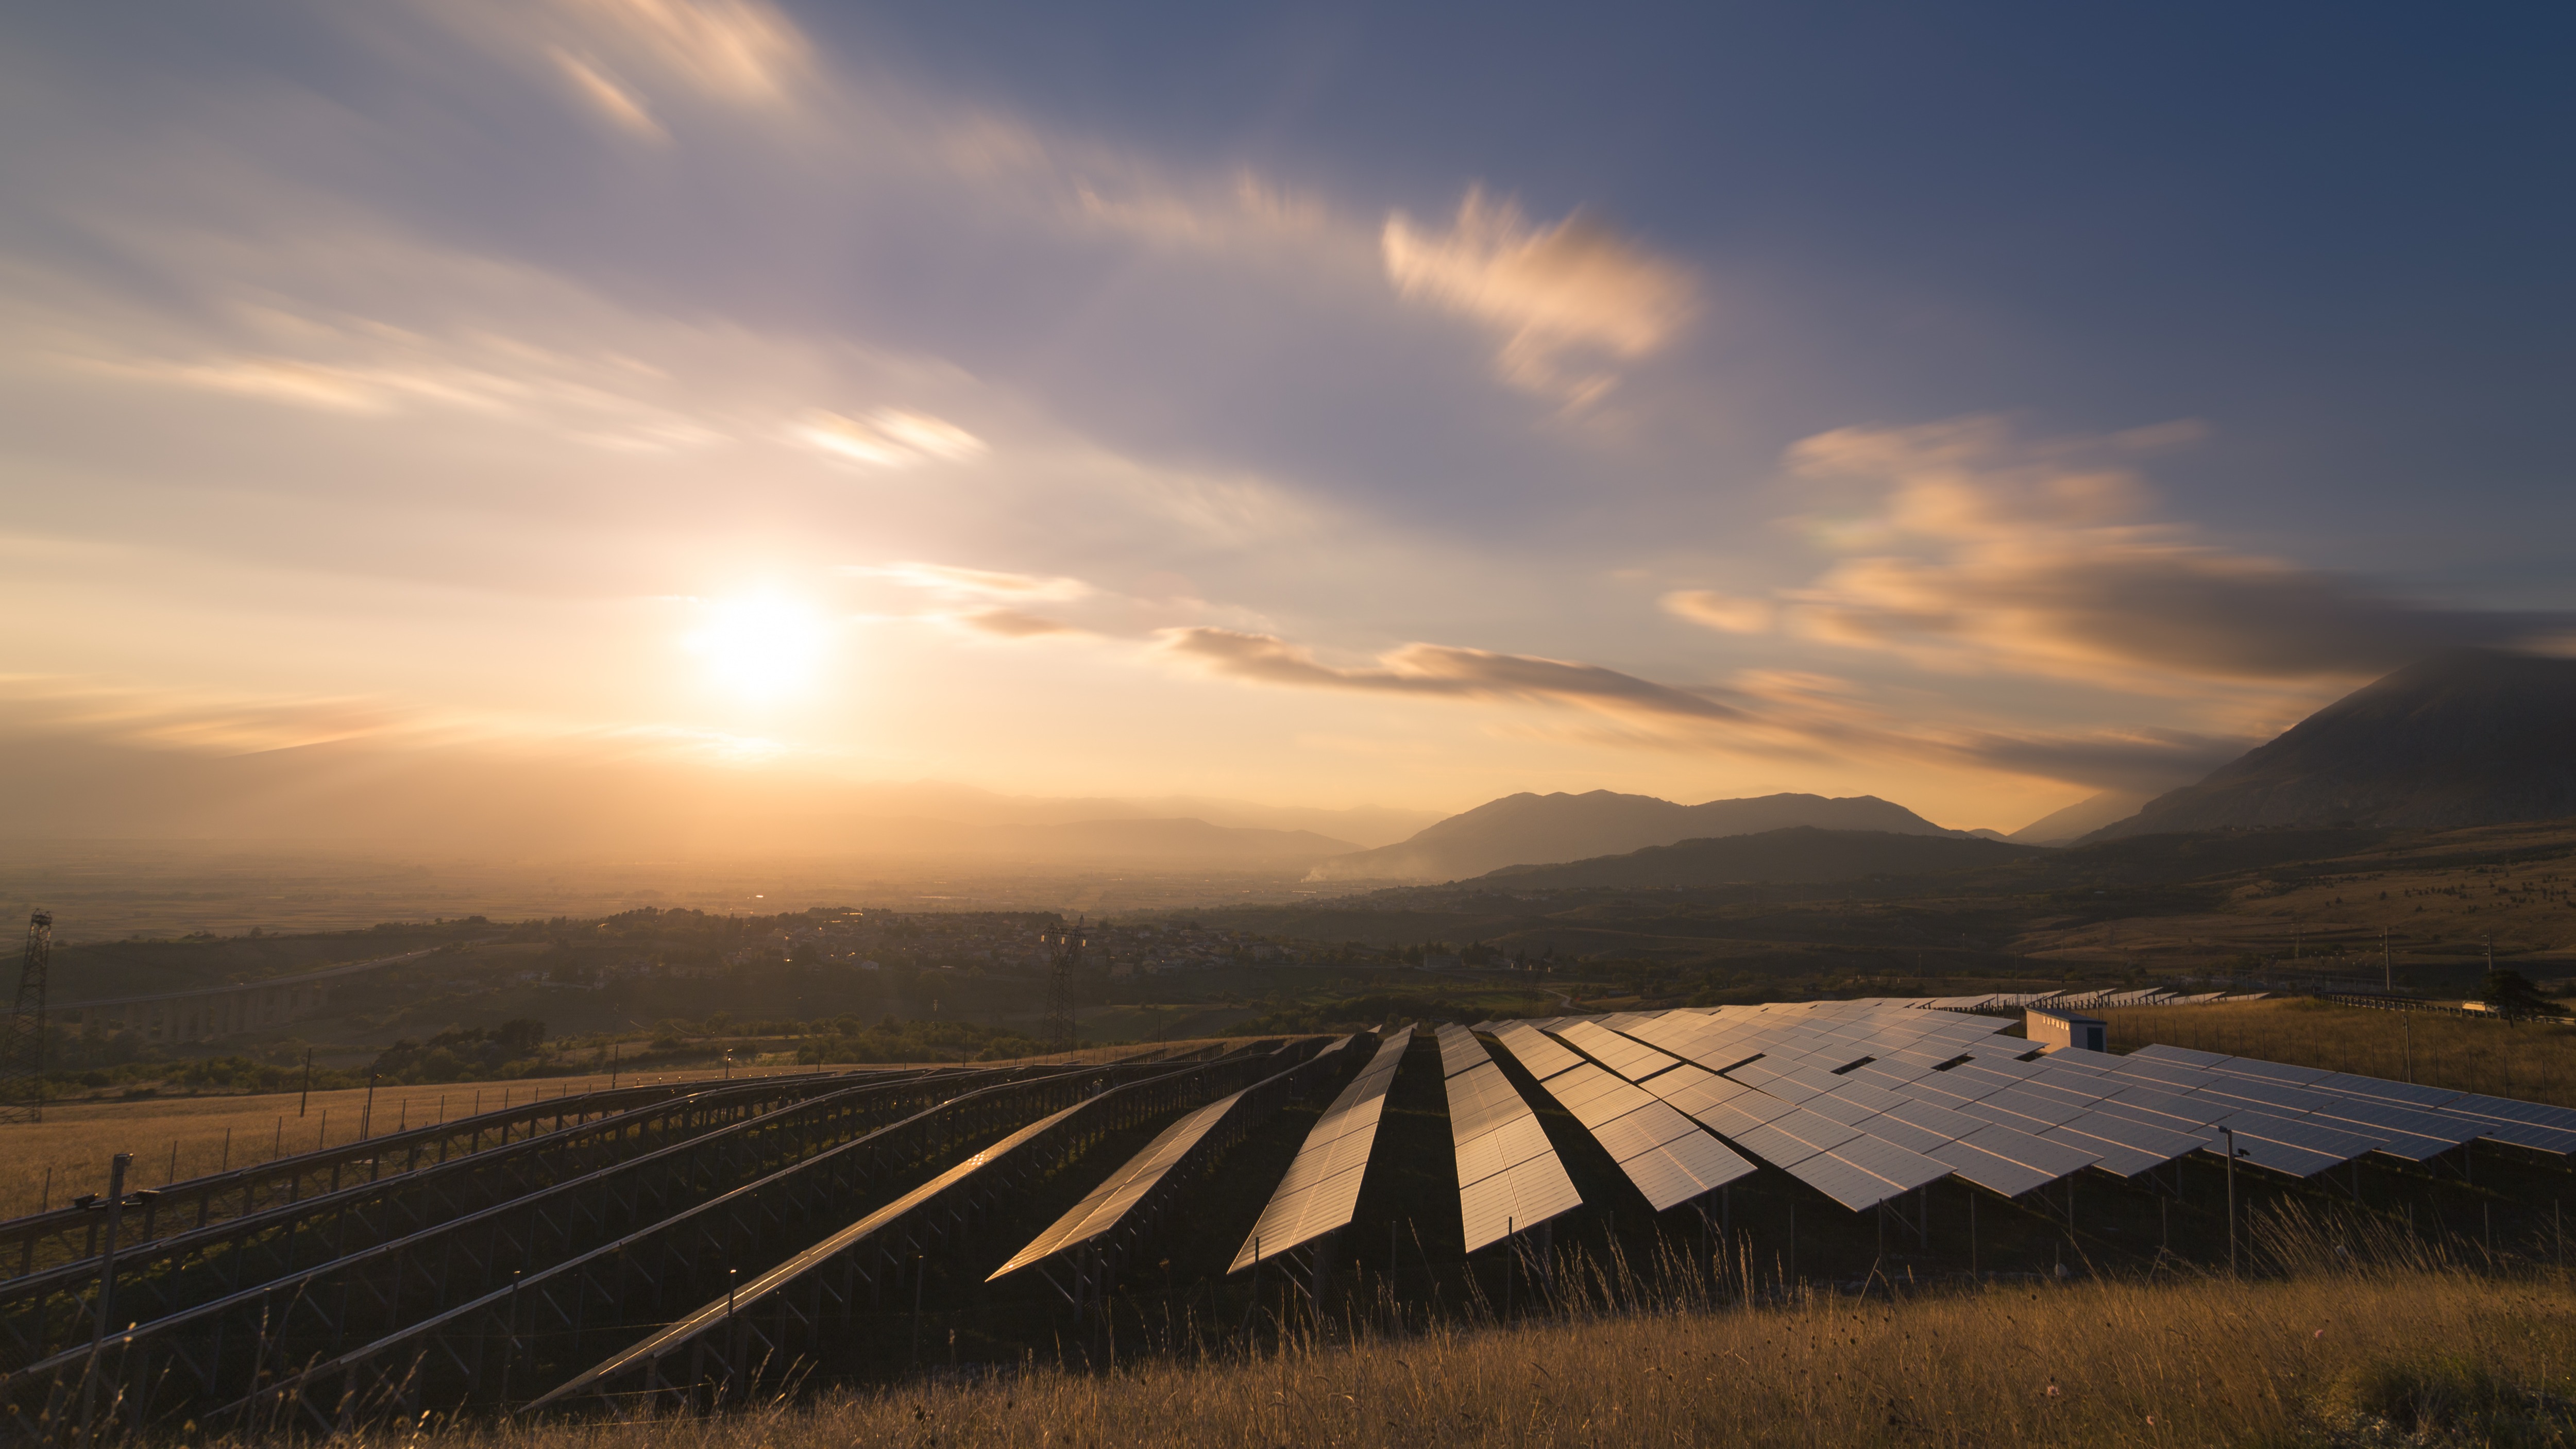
760	648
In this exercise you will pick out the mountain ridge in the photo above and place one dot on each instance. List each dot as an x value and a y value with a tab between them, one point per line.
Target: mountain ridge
1533	829
1793	854
2465	737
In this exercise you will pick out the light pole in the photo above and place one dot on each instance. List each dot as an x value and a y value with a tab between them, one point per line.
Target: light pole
2233	1153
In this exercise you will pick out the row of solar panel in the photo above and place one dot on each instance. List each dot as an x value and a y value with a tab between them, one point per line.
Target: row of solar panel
1663	1154
1509	1178
1322	1186
1865	1101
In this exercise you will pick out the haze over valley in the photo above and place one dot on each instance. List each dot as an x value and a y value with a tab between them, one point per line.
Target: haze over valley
812	723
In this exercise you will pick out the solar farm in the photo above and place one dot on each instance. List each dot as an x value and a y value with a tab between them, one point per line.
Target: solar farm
688	1246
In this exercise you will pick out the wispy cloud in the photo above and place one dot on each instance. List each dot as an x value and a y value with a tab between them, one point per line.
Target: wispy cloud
618	56
1439	670
1016	624
888	438
1570	297
1768	716
612	100
969	583
1985	551
1727	613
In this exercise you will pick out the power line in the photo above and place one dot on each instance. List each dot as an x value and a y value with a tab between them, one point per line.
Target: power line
22	1052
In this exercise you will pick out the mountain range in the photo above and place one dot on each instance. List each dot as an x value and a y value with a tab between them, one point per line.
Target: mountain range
2467	737
1528	829
1800	853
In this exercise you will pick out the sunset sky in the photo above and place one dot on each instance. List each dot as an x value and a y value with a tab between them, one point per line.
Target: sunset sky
1979	406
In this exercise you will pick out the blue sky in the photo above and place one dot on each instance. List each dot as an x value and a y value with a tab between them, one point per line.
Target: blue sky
1980	406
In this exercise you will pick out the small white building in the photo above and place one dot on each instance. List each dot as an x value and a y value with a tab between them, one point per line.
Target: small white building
2057	1030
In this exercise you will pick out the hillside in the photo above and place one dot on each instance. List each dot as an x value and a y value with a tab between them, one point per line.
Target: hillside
1529	829
2468	737
2065	827
1799	854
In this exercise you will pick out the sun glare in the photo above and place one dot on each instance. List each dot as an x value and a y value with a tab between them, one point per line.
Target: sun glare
762	648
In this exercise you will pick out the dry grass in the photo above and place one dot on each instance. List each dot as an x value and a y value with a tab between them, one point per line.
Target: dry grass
2532	1061
68	1153
2351	1357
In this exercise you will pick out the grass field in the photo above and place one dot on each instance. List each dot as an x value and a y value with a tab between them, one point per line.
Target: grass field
2532	1061
175	1138
2419	1353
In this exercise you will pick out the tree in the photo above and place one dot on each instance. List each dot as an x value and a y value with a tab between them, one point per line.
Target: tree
2512	994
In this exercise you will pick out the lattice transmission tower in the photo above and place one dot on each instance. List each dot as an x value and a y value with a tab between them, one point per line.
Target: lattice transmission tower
1064	958
22	1052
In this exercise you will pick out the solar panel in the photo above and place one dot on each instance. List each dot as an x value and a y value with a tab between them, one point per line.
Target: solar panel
1627	1056
1322	1186
1101	1208
1539	1055
2322	1145
2125	1147
2381	1089
1459	1050
1619	1101
2506	1109
1844	1181
2269	1094
1987	1170
2269	1071
1848	1110
1662	1153
1650	1126
1514	1201
1899	1166
1506	1145
1509	1178
2046	1108
1683	1169
2526	1134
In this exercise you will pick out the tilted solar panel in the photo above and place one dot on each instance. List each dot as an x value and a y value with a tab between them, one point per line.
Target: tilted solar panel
1322	1186
1101	1208
1509	1179
1459	1050
1539	1054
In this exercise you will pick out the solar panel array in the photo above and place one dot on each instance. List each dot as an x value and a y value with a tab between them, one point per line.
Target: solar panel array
1663	1153
1101	1208
1867	1100
1509	1179
1322	1187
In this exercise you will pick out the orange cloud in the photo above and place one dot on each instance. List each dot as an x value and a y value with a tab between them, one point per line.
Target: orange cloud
1797	716
1727	613
1442	671
1988	552
1013	624
1572	290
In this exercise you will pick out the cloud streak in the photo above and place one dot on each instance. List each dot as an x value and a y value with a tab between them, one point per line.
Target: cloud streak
1440	671
1986	552
1569	297
1797	719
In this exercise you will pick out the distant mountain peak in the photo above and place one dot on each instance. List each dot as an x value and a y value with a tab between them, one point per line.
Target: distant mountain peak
2464	737
1534	829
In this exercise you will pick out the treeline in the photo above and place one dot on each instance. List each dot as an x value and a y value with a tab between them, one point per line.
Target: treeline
845	1040
467	1054
1351	1013
205	1074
